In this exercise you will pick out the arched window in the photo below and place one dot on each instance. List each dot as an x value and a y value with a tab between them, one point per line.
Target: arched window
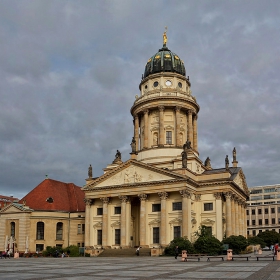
59	231
40	230
13	229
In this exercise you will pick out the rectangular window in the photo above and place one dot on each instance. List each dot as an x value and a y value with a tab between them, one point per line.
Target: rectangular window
259	211
99	237
269	190
247	211
99	211
176	206
177	231
247	222
260	222
266	221
256	191
208	206
278	209
117	236
81	228
39	247
40	230
118	210
272	210
253	212
253	222
254	233
156	208
156	235
168	137
260	231
266	211
273	221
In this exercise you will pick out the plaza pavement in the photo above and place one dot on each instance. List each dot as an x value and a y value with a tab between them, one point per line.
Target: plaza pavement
135	268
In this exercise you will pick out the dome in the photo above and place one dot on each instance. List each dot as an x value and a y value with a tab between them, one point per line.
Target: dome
164	61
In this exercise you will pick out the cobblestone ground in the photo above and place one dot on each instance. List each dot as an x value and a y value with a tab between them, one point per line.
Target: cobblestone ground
137	268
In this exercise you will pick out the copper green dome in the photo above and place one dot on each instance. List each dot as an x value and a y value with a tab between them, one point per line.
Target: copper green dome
164	61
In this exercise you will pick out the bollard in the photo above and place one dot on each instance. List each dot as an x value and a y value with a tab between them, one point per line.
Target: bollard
278	255
229	254
16	255
184	255
260	251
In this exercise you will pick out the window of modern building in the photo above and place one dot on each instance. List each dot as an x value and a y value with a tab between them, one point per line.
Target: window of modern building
273	221
156	207
269	190
259	211
260	222
177	231
259	197
13	229
253	222
253	212
168	137
254	233
59	231
99	237
266	211
272	210
156	235
256	191
117	236
40	230
39	247
208	206
269	202
266	221
176	206
99	211
118	210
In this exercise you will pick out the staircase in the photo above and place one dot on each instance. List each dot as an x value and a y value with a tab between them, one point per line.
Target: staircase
123	253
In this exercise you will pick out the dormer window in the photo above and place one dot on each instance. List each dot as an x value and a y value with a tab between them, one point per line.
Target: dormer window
49	200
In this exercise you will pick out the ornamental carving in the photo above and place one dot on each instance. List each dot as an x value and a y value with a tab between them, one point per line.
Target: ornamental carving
88	201
228	195
185	193
197	197
142	196
123	198
163	195
105	200
218	195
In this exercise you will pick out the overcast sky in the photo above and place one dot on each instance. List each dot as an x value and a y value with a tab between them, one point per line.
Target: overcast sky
70	70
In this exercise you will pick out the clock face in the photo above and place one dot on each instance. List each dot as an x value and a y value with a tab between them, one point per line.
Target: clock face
168	83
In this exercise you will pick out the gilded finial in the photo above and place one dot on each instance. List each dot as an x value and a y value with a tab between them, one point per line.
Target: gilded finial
164	37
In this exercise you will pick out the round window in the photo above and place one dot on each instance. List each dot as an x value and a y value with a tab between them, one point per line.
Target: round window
168	83
155	84
146	86
180	85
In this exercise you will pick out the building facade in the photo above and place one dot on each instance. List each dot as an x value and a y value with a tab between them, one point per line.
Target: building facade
164	190
263	212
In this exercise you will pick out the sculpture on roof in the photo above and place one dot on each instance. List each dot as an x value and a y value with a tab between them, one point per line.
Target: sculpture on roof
118	157
90	171
234	154
164	37
226	162
187	145
133	145
207	163
184	159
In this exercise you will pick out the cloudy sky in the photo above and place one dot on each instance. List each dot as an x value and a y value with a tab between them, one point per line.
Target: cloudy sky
70	70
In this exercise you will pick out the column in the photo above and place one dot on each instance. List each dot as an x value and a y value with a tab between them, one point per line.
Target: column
236	216
195	146
161	126
186	214
136	131
190	127
91	231
240	216
123	199
245	218
163	196
146	130
177	116
142	198
105	227
219	216
232	215
87	221
228	196
128	221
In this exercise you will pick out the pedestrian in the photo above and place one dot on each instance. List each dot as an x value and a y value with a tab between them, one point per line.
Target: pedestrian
8	254
176	252
138	251
276	248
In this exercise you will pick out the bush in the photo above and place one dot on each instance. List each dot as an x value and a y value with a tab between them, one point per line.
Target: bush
182	243
236	243
269	237
255	240
74	251
209	245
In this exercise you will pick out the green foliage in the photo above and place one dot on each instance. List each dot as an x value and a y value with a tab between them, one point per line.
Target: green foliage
236	243
269	237
203	231
255	240
182	243
51	251
209	245
74	250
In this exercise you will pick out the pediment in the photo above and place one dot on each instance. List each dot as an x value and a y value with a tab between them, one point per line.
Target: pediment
14	208
133	172
241	182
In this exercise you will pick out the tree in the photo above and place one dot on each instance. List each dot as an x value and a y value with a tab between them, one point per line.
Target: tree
236	243
269	237
255	240
182	243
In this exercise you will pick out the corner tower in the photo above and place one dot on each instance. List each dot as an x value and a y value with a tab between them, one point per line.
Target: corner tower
165	113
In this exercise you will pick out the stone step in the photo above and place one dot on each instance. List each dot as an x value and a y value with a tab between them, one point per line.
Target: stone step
128	252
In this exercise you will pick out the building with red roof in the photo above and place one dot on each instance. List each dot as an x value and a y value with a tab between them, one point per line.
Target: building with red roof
6	200
52	214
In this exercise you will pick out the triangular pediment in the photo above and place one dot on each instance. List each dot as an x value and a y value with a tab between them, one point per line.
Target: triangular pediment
15	208
133	172
240	180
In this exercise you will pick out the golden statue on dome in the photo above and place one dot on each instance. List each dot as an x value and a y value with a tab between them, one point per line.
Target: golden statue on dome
164	37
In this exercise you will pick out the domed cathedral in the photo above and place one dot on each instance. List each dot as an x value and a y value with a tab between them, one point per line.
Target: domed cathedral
164	190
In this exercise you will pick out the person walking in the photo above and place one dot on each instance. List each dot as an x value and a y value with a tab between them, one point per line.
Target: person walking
138	251
176	252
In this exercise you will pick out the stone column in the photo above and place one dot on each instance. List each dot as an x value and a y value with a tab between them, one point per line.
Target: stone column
161	126
177	116
146	130
195	146
105	226
236	216
240	216
186	213
163	196
142	198
128	221
228	196
232	215
123	199
91	231
190	127
219	216
245	219
87	222
136	131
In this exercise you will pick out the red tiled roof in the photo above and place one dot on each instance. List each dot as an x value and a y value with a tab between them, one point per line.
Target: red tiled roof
6	200
64	196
